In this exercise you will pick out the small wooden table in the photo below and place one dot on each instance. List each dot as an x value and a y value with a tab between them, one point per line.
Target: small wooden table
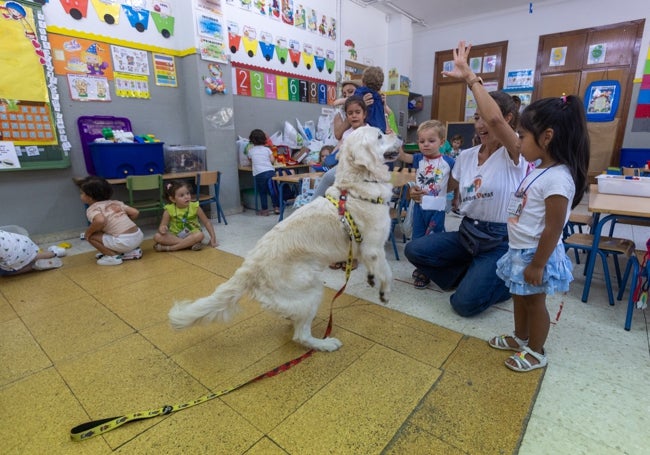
291	179
615	207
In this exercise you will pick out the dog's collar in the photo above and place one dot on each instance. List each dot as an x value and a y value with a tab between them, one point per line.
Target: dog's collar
345	216
377	200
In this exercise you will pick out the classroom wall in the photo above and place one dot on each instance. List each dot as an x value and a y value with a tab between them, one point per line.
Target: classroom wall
522	30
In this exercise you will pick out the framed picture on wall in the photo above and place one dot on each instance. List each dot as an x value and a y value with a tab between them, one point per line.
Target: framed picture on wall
601	100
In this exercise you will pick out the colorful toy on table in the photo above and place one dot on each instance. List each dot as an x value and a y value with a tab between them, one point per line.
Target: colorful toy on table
146	139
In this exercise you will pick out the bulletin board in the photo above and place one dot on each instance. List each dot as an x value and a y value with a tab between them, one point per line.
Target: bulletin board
465	129
31	124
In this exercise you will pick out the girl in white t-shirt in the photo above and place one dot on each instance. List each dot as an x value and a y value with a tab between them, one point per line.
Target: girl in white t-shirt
554	131
262	160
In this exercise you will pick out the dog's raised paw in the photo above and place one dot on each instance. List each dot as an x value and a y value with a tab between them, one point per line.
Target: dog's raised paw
371	280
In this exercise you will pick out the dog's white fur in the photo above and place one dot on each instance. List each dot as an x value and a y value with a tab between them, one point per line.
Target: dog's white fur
283	271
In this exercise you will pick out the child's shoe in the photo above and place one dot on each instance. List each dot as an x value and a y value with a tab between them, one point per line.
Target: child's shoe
109	260
46	264
197	246
58	251
133	254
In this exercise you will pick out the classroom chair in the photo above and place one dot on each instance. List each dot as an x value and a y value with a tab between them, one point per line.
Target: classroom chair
607	246
205	180
398	209
577	221
637	265
146	192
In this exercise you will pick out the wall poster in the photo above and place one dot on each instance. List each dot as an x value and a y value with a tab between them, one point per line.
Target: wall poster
30	109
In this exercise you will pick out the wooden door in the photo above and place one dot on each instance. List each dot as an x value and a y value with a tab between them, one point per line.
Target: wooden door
450	94
566	64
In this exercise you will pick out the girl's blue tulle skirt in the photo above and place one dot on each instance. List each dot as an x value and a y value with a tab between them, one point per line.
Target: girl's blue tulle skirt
557	273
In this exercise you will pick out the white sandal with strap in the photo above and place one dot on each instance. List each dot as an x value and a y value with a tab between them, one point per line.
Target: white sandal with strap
500	342
522	364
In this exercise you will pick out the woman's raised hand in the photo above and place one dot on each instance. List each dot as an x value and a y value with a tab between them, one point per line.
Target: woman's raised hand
461	68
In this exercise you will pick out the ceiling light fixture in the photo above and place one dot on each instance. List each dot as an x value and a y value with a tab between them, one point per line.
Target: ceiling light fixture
397	9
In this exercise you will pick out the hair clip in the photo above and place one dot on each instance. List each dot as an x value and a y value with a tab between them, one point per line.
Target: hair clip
169	185
563	98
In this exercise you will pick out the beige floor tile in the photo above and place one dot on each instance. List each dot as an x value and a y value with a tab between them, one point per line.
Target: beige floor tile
265	447
208	428
400	333
6	310
20	353
38	413
372	397
129	375
413	440
469	392
219	360
171	341
35	291
75	327
270	401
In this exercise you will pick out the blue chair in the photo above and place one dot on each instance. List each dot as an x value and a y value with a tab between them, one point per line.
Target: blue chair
398	209
638	267
211	180
607	246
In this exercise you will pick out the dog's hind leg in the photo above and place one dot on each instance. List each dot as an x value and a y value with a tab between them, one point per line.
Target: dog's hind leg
303	319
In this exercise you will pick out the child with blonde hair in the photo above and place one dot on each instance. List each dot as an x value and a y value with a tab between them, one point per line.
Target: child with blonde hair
430	188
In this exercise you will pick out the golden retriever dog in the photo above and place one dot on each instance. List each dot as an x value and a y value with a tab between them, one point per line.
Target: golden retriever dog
284	270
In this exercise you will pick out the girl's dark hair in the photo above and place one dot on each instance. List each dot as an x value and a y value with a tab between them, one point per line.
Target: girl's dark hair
257	137
355	99
173	186
97	188
507	106
570	142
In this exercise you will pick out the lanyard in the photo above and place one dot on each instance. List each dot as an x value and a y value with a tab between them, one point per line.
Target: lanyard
520	193
184	218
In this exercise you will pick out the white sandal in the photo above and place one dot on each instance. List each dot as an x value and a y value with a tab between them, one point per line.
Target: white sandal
522	364
500	342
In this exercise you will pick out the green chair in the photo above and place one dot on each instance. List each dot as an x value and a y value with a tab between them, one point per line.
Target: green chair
146	192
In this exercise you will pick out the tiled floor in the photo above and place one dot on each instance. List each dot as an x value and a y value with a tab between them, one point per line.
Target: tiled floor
592	399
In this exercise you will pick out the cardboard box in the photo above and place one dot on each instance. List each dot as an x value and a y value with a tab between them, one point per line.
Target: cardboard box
625	185
113	160
184	158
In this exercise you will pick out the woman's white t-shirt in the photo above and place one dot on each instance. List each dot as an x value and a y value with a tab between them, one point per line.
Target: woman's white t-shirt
486	189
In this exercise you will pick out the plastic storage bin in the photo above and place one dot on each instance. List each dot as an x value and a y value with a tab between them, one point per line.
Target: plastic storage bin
625	185
184	158
117	160
90	128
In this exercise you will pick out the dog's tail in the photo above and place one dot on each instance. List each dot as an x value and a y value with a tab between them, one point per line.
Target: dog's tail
220	306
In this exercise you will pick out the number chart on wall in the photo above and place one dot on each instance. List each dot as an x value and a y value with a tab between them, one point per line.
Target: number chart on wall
32	132
271	85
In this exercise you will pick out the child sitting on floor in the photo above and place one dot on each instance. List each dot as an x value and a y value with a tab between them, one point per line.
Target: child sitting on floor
112	230
19	254
180	227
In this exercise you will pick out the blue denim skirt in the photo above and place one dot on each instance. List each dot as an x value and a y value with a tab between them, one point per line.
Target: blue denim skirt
557	272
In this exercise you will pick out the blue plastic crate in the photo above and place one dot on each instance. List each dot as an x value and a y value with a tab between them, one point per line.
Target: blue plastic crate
634	157
117	160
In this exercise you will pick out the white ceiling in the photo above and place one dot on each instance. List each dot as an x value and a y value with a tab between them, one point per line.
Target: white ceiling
434	13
